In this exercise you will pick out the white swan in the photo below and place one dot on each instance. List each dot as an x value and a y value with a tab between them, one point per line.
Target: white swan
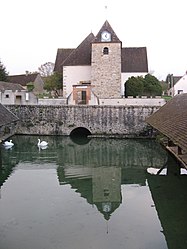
42	144
8	143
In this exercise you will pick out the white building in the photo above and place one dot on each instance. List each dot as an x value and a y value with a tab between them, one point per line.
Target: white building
181	85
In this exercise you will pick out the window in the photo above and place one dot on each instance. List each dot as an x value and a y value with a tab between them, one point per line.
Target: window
180	91
105	50
7	96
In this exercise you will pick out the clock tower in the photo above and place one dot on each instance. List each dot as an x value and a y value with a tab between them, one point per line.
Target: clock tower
106	63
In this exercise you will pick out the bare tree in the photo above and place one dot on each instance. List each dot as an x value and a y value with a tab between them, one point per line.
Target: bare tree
46	69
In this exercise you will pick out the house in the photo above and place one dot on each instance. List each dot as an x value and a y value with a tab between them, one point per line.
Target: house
15	94
99	67
8	123
29	78
171	80
178	84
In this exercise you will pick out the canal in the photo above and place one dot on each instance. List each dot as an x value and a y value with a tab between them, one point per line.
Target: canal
90	194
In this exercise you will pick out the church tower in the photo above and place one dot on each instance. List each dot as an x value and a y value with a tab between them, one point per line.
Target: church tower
106	63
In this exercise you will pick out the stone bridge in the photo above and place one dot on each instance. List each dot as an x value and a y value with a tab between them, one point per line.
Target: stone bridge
94	120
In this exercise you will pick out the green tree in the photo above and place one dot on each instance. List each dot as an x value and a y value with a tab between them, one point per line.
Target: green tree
53	83
152	86
138	86
3	72
134	86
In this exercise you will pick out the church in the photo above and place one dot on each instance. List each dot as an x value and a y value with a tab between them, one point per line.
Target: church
98	68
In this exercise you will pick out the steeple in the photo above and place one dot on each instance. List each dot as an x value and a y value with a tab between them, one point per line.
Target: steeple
107	28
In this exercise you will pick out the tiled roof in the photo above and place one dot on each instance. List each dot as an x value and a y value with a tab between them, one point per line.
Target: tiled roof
75	57
134	60
171	120
82	54
106	27
10	86
22	79
62	54
6	117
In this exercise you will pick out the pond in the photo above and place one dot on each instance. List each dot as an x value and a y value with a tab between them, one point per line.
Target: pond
90	194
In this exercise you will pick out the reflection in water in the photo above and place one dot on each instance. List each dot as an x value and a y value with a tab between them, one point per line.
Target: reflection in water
107	174
169	195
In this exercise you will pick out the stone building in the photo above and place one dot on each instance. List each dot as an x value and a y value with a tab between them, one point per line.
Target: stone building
15	94
99	67
34	79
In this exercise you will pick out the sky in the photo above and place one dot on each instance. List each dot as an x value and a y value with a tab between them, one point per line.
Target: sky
32	30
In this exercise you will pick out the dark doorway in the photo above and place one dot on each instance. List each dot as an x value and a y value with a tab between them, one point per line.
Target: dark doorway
83	97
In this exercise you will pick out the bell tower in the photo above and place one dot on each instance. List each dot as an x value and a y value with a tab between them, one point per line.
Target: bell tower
106	63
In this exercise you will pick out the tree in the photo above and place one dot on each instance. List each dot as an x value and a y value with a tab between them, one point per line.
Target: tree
152	86
3	72
53	83
46	69
148	86
134	86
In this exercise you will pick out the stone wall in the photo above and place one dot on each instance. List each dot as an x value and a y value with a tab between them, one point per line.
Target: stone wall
106	70
99	120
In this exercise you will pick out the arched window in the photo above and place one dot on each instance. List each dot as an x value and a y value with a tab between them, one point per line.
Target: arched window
105	50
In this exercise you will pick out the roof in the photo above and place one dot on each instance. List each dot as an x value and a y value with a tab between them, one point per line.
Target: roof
62	54
23	79
106	27
172	79
10	86
134	59
171	120
82	54
6	117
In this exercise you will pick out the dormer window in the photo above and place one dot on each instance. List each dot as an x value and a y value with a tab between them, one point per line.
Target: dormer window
105	50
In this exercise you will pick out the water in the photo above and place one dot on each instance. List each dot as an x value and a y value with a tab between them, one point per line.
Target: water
90	195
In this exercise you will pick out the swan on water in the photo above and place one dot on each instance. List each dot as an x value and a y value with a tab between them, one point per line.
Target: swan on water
8	143
42	143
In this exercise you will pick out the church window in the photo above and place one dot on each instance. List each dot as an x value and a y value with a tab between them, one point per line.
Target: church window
105	50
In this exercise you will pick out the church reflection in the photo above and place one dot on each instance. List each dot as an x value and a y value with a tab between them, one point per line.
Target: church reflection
97	170
100	186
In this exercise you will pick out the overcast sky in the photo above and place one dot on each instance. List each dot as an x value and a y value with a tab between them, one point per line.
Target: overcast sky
33	30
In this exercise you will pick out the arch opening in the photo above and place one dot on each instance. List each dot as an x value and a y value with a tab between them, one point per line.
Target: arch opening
80	135
80	132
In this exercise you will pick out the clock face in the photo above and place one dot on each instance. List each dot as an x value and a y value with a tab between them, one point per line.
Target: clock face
105	36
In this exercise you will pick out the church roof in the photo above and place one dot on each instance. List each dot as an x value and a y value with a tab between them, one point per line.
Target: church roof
82	54
106	27
62	54
134	60
171	120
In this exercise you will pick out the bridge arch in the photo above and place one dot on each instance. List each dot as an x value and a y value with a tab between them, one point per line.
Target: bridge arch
80	132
